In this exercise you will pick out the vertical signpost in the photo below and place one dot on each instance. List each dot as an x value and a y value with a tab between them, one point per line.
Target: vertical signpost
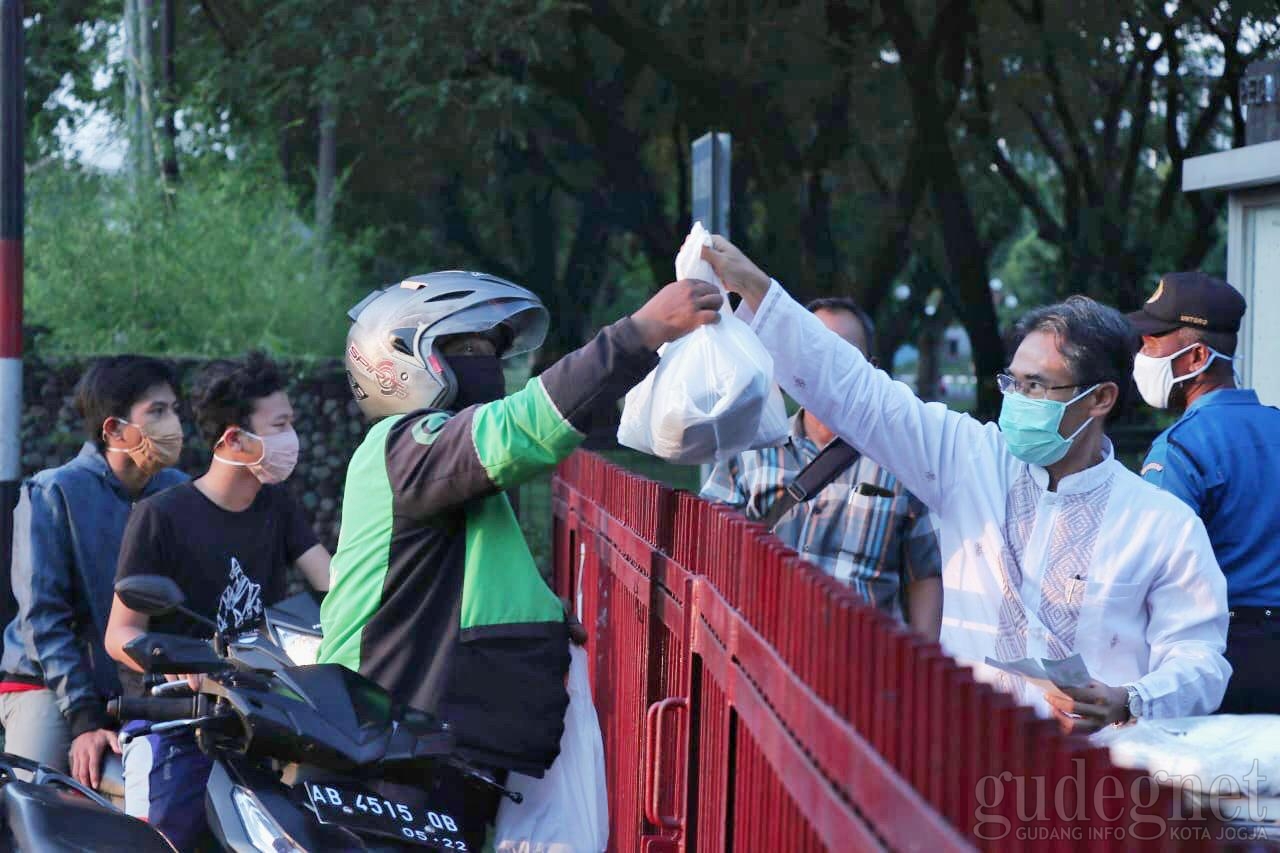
11	199
709	194
1260	95
710	175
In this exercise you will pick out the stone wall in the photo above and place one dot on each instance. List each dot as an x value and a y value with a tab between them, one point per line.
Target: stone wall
328	422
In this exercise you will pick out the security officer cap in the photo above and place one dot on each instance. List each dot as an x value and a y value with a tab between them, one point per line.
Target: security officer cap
1192	300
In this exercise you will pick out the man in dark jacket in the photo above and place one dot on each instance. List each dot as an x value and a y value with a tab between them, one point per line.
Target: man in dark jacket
67	530
435	595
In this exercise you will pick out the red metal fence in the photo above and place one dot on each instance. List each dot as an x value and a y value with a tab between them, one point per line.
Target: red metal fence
749	702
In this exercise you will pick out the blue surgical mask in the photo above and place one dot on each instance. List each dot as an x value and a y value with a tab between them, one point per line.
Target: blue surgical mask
1030	428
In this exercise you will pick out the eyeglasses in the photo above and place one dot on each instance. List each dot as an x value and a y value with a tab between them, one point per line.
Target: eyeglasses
1031	388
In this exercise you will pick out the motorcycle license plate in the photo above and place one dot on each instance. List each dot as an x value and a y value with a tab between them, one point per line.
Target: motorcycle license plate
367	812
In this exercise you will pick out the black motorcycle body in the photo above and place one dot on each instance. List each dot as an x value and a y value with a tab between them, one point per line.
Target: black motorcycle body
52	813
310	758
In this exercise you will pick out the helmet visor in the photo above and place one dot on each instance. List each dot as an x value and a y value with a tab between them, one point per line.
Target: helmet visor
526	319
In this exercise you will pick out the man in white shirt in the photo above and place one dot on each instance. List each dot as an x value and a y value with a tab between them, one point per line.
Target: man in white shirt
1050	546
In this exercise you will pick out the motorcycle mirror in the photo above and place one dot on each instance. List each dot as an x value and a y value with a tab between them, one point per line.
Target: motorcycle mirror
154	595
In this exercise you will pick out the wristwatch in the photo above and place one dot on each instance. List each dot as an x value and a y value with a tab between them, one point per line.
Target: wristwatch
1135	701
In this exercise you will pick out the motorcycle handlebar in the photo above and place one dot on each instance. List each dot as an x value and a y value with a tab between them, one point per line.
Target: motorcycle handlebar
156	709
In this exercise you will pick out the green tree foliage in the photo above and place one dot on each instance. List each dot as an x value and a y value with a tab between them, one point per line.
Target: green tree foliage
65	43
1108	100
227	269
876	142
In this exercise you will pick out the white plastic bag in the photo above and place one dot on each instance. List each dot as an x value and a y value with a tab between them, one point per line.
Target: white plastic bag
567	810
712	396
1221	754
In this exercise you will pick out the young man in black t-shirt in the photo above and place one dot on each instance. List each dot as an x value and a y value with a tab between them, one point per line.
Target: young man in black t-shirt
227	539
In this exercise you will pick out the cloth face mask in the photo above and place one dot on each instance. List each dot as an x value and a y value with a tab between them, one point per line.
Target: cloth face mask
279	456
1154	376
158	447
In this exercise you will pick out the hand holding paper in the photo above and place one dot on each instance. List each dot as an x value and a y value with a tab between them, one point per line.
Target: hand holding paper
1082	704
1048	675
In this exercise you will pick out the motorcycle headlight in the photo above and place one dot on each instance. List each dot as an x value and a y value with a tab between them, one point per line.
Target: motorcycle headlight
264	833
301	648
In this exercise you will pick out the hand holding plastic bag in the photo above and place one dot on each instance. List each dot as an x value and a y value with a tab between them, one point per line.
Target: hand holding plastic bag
712	396
567	810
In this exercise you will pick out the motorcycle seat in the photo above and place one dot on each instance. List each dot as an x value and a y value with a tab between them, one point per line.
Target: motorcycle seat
43	818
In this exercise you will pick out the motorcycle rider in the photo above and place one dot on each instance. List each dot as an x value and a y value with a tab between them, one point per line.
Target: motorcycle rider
435	595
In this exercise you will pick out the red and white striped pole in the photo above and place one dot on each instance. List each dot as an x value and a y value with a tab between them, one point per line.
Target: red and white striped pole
11	203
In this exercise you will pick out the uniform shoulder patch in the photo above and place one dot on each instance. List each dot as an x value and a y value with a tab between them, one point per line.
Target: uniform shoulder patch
427	429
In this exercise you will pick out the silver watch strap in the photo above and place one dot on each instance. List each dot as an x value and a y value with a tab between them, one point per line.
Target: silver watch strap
1135	700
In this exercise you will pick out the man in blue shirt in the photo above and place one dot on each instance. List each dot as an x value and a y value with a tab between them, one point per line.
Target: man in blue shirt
1222	458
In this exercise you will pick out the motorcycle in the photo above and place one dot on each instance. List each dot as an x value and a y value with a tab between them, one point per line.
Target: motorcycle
305	758
42	809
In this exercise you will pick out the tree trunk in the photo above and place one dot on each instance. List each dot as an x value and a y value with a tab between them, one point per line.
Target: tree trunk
967	260
891	246
145	59
133	126
584	285
967	254
326	175
891	334
169	93
927	366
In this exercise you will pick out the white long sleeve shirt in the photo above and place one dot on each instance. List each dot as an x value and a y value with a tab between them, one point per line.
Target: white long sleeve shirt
1106	566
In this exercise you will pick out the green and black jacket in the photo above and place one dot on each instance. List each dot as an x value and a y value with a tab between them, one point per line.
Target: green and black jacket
435	595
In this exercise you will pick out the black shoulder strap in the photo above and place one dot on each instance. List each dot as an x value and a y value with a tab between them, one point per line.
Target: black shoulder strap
834	459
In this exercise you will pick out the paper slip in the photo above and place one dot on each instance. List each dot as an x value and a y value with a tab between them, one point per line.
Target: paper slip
1068	672
1048	675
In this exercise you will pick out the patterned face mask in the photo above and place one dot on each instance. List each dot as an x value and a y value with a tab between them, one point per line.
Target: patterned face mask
159	445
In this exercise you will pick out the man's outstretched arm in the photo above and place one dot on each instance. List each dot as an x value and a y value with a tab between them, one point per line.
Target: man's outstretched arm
928	447
436	461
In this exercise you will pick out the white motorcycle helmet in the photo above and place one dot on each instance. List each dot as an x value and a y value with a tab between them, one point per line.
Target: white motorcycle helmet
393	364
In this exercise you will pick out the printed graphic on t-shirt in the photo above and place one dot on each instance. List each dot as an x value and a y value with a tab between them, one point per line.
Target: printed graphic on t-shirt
241	604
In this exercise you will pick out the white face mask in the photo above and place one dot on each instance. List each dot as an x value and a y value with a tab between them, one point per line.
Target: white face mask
1154	376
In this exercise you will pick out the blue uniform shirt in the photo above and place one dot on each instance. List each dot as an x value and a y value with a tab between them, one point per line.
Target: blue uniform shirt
1222	458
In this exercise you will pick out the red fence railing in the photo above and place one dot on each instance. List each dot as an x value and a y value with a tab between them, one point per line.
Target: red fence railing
749	702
